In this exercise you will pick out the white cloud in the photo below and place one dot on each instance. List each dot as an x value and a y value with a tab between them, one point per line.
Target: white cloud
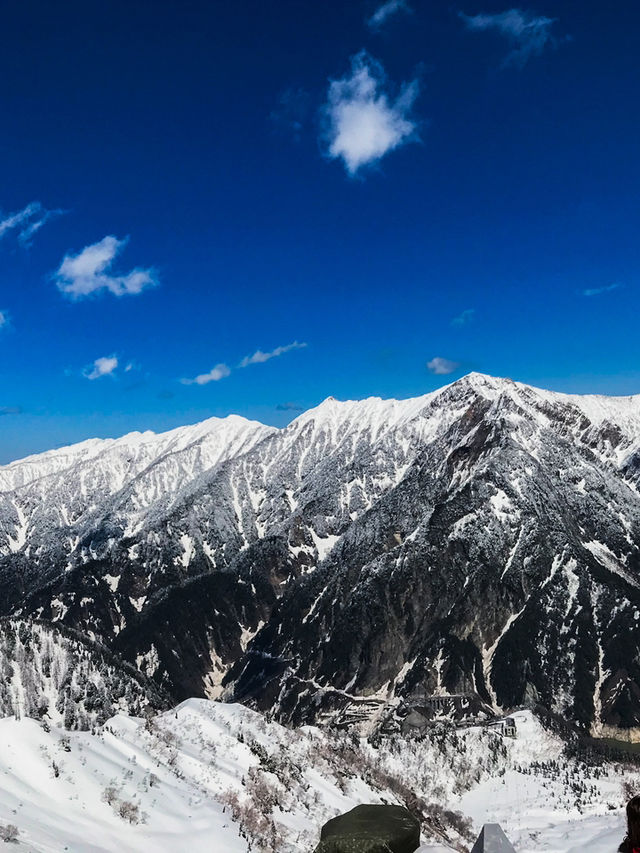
104	366
260	357
596	291
362	122
90	272
384	12
27	221
527	33
464	318
220	371
442	366
4	319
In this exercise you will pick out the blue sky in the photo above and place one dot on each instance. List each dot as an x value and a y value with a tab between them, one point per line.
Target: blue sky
212	207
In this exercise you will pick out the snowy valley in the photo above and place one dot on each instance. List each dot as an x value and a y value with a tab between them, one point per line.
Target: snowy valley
221	778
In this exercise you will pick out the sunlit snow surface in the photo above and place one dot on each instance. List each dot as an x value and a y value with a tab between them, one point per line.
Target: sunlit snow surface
177	784
528	808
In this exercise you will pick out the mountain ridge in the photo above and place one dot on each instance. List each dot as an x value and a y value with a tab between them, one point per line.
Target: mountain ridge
461	534
197	429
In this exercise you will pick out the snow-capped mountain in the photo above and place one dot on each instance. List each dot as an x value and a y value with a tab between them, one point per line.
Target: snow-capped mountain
482	538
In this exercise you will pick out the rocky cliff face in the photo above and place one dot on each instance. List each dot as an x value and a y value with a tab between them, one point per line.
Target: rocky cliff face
482	539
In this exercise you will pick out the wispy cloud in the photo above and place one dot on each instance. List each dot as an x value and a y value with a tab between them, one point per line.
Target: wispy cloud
90	272
4	319
104	366
10	410
386	11
220	371
27	222
442	366
528	34
362	122
260	357
289	407
464	318
596	291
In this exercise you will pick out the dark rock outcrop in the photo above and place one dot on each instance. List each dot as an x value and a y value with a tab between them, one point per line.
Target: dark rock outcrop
371	829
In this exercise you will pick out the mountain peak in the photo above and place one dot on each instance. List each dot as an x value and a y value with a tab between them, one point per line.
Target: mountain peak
484	380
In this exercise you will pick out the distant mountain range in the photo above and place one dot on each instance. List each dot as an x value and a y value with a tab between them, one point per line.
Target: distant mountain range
480	539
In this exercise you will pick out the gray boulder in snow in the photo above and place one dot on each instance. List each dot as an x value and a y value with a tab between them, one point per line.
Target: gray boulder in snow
492	840
371	829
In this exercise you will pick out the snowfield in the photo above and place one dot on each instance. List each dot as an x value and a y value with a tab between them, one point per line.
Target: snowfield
537	813
177	781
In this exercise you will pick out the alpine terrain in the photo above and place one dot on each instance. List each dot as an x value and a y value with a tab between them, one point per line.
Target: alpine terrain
480	540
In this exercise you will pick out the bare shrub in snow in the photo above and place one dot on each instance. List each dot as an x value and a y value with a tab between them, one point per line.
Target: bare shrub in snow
261	833
230	800
110	795
253	814
460	823
9	833
129	811
261	791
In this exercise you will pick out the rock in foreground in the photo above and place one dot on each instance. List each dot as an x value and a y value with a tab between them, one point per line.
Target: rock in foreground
371	829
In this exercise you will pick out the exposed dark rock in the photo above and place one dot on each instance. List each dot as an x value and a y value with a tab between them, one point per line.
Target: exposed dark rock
371	829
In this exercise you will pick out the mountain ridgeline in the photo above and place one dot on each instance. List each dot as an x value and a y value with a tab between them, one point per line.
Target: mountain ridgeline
480	539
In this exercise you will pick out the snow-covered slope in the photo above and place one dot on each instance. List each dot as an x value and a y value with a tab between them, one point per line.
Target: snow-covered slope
52	674
209	777
211	441
482	538
73	488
